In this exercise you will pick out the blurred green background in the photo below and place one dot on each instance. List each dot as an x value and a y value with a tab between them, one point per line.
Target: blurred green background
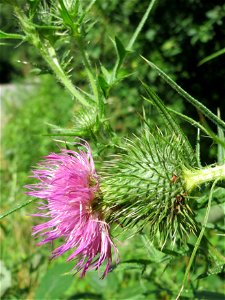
177	36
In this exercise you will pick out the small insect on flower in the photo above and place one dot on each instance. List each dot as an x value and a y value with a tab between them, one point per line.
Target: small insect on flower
69	185
174	178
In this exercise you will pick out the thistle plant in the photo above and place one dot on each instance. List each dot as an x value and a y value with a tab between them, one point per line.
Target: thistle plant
148	183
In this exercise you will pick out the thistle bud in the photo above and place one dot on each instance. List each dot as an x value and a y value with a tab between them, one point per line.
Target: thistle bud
146	185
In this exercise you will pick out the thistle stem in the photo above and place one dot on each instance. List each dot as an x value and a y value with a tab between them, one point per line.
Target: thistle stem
195	178
91	76
48	53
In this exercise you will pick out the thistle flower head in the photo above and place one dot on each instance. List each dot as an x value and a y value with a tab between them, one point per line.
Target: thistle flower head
145	185
69	184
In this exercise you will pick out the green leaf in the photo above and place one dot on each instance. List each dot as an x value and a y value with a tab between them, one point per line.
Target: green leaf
154	254
221	148
104	86
198	105
33	7
87	9
134	292
198	242
55	282
219	139
171	124
5	279
107	286
5	35
121	51
208	295
204	128
133	264
212	56
5	44
66	16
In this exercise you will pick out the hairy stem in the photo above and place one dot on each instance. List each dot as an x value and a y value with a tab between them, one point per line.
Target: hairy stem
48	53
91	76
195	178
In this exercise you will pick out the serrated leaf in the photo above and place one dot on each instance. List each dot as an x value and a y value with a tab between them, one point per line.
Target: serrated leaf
55	282
197	104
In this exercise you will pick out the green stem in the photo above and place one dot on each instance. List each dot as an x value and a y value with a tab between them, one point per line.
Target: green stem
212	56
198	242
194	178
9	212
49	55
91	76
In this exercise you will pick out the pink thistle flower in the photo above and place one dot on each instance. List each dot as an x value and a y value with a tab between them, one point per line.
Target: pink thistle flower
69	183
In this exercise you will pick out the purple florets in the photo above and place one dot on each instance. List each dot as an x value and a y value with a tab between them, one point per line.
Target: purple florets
69	183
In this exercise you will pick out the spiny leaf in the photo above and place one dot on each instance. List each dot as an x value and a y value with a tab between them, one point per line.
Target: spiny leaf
216	138
66	16
199	106
170	121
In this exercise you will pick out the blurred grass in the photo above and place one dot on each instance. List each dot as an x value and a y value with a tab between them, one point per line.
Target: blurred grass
23	143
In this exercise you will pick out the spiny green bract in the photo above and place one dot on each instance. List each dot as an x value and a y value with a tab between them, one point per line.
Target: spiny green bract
144	185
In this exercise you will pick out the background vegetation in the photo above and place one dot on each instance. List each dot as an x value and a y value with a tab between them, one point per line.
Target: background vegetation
177	37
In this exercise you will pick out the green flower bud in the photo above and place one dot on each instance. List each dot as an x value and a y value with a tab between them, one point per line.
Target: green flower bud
146	185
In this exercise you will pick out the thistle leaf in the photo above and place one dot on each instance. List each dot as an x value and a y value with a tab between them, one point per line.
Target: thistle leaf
202	108
172	125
